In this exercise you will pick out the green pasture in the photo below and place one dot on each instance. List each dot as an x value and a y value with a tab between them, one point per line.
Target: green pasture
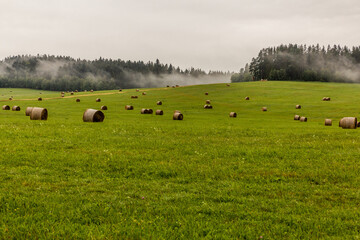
261	175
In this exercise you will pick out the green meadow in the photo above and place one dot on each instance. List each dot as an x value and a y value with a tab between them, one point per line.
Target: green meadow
261	175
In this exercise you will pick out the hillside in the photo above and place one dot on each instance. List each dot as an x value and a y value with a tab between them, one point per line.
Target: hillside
260	175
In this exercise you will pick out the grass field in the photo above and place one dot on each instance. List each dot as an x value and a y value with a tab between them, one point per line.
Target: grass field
261	175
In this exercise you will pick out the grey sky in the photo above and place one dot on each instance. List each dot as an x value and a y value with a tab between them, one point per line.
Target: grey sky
211	34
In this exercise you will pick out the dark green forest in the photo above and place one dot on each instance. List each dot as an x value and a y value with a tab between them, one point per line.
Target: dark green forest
61	73
303	63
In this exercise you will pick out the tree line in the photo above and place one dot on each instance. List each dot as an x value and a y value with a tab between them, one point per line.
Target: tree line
303	63
49	72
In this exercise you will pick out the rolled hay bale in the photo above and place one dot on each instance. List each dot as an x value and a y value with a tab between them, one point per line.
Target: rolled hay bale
206	93
16	108
62	95
247	98
328	122
98	100
144	93
326	99
298	106
158	103
103	108
177	86
207	106
91	90
173	86
358	124
134	96
72	93
146	111
137	90
264	109
5	107
92	115
129	107
38	114
228	85
78	100
39	99
178	116
85	90
233	114
28	111
167	86
207	101
348	122
10	98
159	112
120	90
297	117
303	119
76	91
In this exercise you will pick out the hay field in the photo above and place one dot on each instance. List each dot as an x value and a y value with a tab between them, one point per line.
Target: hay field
145	176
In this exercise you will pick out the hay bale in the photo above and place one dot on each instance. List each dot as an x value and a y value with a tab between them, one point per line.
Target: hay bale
85	90
298	106
10	98
92	115
206	106
328	122
91	90
5	107
159	112
233	114
38	114
348	122
129	107
78	100
120	90
228	85
62	93
76	91
173	86
264	109
158	103
177	86
206	93
39	99
303	119
28	111
146	111
16	108
137	90
326	99
143	93
178	116
98	100
207	101
297	117
103	108
72	93
134	96
247	98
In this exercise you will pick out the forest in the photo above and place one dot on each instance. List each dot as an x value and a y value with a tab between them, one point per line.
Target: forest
59	73
303	63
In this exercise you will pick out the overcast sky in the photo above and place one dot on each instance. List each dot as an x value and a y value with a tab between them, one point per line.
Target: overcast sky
207	34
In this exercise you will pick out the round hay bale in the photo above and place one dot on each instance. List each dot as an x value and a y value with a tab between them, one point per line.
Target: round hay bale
144	93
177	86
150	111
91	90
10	99
72	93
85	90
129	107
120	90
16	108
146	111
137	90
76	91
159	112
173	86
62	93
178	116
297	117
167	86
103	108
206	106
206	93
298	106
327	99
328	122
38	114
98	100
5	107
303	119
78	100
134	96
233	114
348	122
264	109
228	85
92	115
158	103
28	111
39	99
247	98
358	124
207	101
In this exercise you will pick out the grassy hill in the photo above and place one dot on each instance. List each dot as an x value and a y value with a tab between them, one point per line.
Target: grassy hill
260	175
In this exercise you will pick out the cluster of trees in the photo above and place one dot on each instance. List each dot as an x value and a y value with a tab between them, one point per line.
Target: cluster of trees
60	73
304	63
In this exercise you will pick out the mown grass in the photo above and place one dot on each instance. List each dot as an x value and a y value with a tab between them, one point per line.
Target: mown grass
260	175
